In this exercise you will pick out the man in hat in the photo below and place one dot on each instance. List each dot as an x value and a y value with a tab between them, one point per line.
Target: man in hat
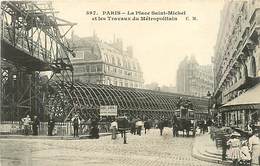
51	124
139	125
26	122
35	125
76	121
161	126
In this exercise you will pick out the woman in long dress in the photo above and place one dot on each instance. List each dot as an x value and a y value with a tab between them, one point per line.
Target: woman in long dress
254	147
245	156
114	127
234	152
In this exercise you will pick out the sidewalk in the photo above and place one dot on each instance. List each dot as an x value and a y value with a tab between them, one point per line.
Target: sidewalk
55	137
205	149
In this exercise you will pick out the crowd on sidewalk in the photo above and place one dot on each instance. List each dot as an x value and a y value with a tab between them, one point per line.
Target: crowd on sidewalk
241	147
31	126
135	126
166	126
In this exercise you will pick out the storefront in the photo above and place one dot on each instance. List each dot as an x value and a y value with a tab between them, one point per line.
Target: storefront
243	110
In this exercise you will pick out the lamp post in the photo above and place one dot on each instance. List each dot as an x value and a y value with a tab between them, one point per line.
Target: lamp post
209	96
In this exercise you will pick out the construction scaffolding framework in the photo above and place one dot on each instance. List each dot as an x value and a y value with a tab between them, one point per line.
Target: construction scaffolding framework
31	43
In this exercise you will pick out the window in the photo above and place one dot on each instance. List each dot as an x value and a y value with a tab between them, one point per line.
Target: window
99	68
107	59
124	64
119	62
128	65
79	69
113	60
93	68
120	71
134	67
108	68
87	68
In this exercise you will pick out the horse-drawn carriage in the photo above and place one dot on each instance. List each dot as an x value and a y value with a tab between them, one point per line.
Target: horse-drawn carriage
186	121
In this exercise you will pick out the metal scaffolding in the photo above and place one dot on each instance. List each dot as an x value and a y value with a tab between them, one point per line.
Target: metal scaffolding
31	43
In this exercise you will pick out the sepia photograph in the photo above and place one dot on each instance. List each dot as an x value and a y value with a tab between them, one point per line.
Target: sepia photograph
130	83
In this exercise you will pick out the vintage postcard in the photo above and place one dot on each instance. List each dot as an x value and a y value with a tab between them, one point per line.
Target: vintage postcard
130	82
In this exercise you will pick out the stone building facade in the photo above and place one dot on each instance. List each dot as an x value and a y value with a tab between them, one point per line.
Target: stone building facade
237	61
194	79
106	63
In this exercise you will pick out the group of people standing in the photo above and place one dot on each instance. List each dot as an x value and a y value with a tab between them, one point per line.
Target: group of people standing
34	124
135	126
244	151
27	123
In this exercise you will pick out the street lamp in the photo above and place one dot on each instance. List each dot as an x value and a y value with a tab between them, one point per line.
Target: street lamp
209	96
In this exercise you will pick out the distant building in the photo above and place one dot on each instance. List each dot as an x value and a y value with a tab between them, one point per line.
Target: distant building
152	86
106	63
194	79
155	86
170	88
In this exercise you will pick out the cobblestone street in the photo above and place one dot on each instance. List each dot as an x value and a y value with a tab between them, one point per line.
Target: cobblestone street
150	149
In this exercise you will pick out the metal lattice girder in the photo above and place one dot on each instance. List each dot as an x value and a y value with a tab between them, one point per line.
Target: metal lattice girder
32	38
86	99
31	42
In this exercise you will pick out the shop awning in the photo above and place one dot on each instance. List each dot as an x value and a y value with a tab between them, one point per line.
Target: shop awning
248	100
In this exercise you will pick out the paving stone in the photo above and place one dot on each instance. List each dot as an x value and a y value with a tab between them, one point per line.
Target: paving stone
150	149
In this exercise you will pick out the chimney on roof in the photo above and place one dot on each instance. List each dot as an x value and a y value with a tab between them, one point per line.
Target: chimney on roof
118	44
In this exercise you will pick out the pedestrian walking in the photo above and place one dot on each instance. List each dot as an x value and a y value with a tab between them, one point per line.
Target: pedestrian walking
254	147
147	125
88	125
224	146
114	127
76	122
133	126
94	131
51	124
161	126
174	126
234	151
139	125
209	124
27	122
204	126
35	125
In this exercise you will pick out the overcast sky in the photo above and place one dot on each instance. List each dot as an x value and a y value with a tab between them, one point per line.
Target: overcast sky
159	46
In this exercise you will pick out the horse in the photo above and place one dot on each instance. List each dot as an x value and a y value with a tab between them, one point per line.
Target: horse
184	125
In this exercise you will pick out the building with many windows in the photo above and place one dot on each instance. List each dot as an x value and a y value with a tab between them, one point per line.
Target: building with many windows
194	79
237	63
106	63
